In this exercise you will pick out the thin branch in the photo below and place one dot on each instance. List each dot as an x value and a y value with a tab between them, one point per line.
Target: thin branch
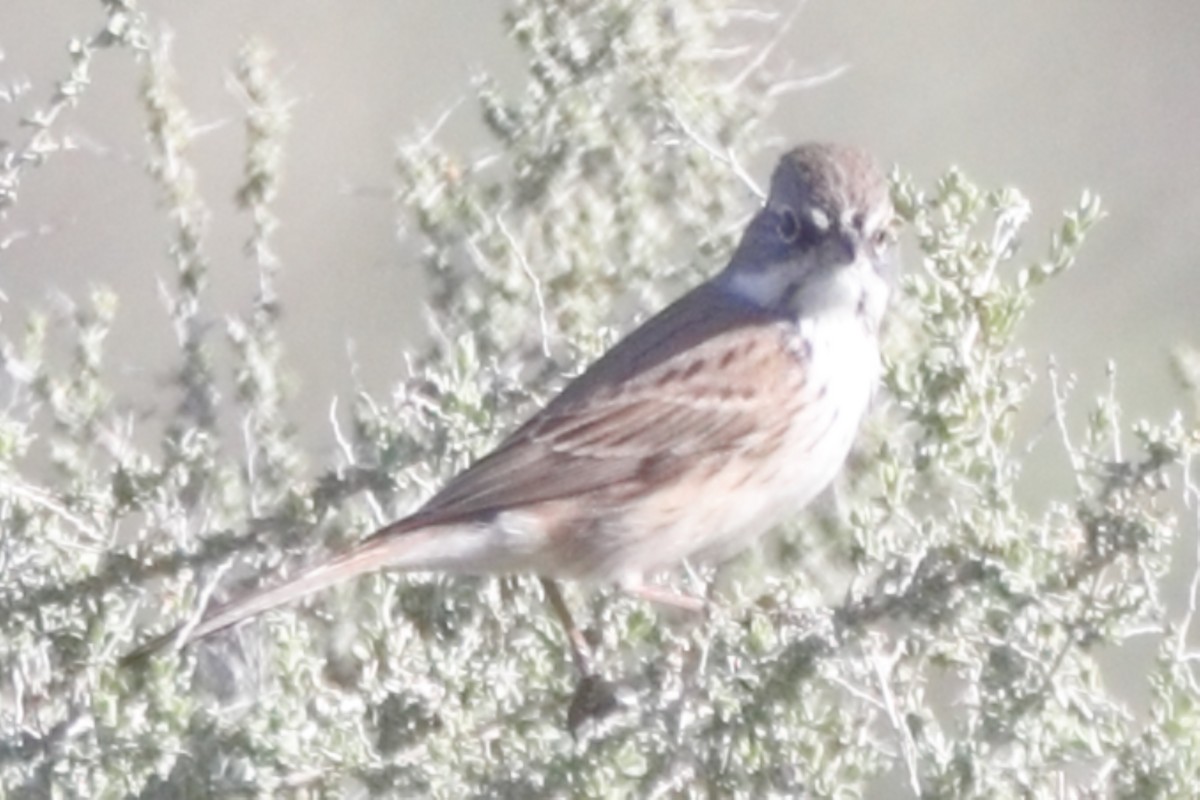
782	87
1059	394
338	436
1191	500
724	156
519	254
908	747
759	60
46	502
202	600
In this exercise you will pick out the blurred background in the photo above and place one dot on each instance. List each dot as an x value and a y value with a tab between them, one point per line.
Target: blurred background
1051	98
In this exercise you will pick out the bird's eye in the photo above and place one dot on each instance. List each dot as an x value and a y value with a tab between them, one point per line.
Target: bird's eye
789	226
882	237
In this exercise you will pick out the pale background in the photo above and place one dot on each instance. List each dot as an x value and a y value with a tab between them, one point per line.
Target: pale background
1050	97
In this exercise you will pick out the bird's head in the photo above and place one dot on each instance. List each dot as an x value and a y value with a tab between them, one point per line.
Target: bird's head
823	241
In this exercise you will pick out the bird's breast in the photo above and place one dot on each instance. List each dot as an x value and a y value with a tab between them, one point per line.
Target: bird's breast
840	375
810	413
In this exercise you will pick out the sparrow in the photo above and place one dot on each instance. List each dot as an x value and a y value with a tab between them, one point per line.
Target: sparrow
713	421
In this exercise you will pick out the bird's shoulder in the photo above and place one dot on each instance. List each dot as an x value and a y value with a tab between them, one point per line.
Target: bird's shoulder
708	341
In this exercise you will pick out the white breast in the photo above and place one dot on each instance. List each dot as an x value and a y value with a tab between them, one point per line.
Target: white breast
732	513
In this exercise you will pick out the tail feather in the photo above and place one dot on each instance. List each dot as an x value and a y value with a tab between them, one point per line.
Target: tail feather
375	552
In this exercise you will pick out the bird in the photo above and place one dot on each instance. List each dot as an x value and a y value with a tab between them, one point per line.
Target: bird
707	425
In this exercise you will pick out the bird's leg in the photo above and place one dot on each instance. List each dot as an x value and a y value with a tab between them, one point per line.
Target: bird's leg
594	698
579	646
662	596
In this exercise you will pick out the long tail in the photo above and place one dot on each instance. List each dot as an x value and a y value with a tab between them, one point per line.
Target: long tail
383	549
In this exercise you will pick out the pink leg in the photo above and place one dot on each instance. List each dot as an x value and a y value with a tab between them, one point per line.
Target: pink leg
662	596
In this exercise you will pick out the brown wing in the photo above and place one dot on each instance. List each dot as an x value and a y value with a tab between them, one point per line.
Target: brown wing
620	418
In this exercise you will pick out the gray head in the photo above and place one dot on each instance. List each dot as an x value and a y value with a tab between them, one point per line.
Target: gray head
823	240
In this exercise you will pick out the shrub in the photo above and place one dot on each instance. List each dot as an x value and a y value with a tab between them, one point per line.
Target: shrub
963	655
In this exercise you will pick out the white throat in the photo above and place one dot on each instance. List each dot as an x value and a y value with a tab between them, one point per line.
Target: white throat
851	290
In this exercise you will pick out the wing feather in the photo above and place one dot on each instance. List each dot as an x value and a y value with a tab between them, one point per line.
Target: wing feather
688	384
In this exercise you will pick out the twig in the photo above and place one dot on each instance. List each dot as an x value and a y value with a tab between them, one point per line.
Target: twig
907	746
338	436
808	82
725	156
757	62
1191	500
197	616
1059	396
519	254
43	500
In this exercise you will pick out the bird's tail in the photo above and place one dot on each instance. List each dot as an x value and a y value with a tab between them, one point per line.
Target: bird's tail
383	549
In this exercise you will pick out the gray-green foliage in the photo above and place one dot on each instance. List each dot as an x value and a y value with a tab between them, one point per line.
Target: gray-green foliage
963	660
